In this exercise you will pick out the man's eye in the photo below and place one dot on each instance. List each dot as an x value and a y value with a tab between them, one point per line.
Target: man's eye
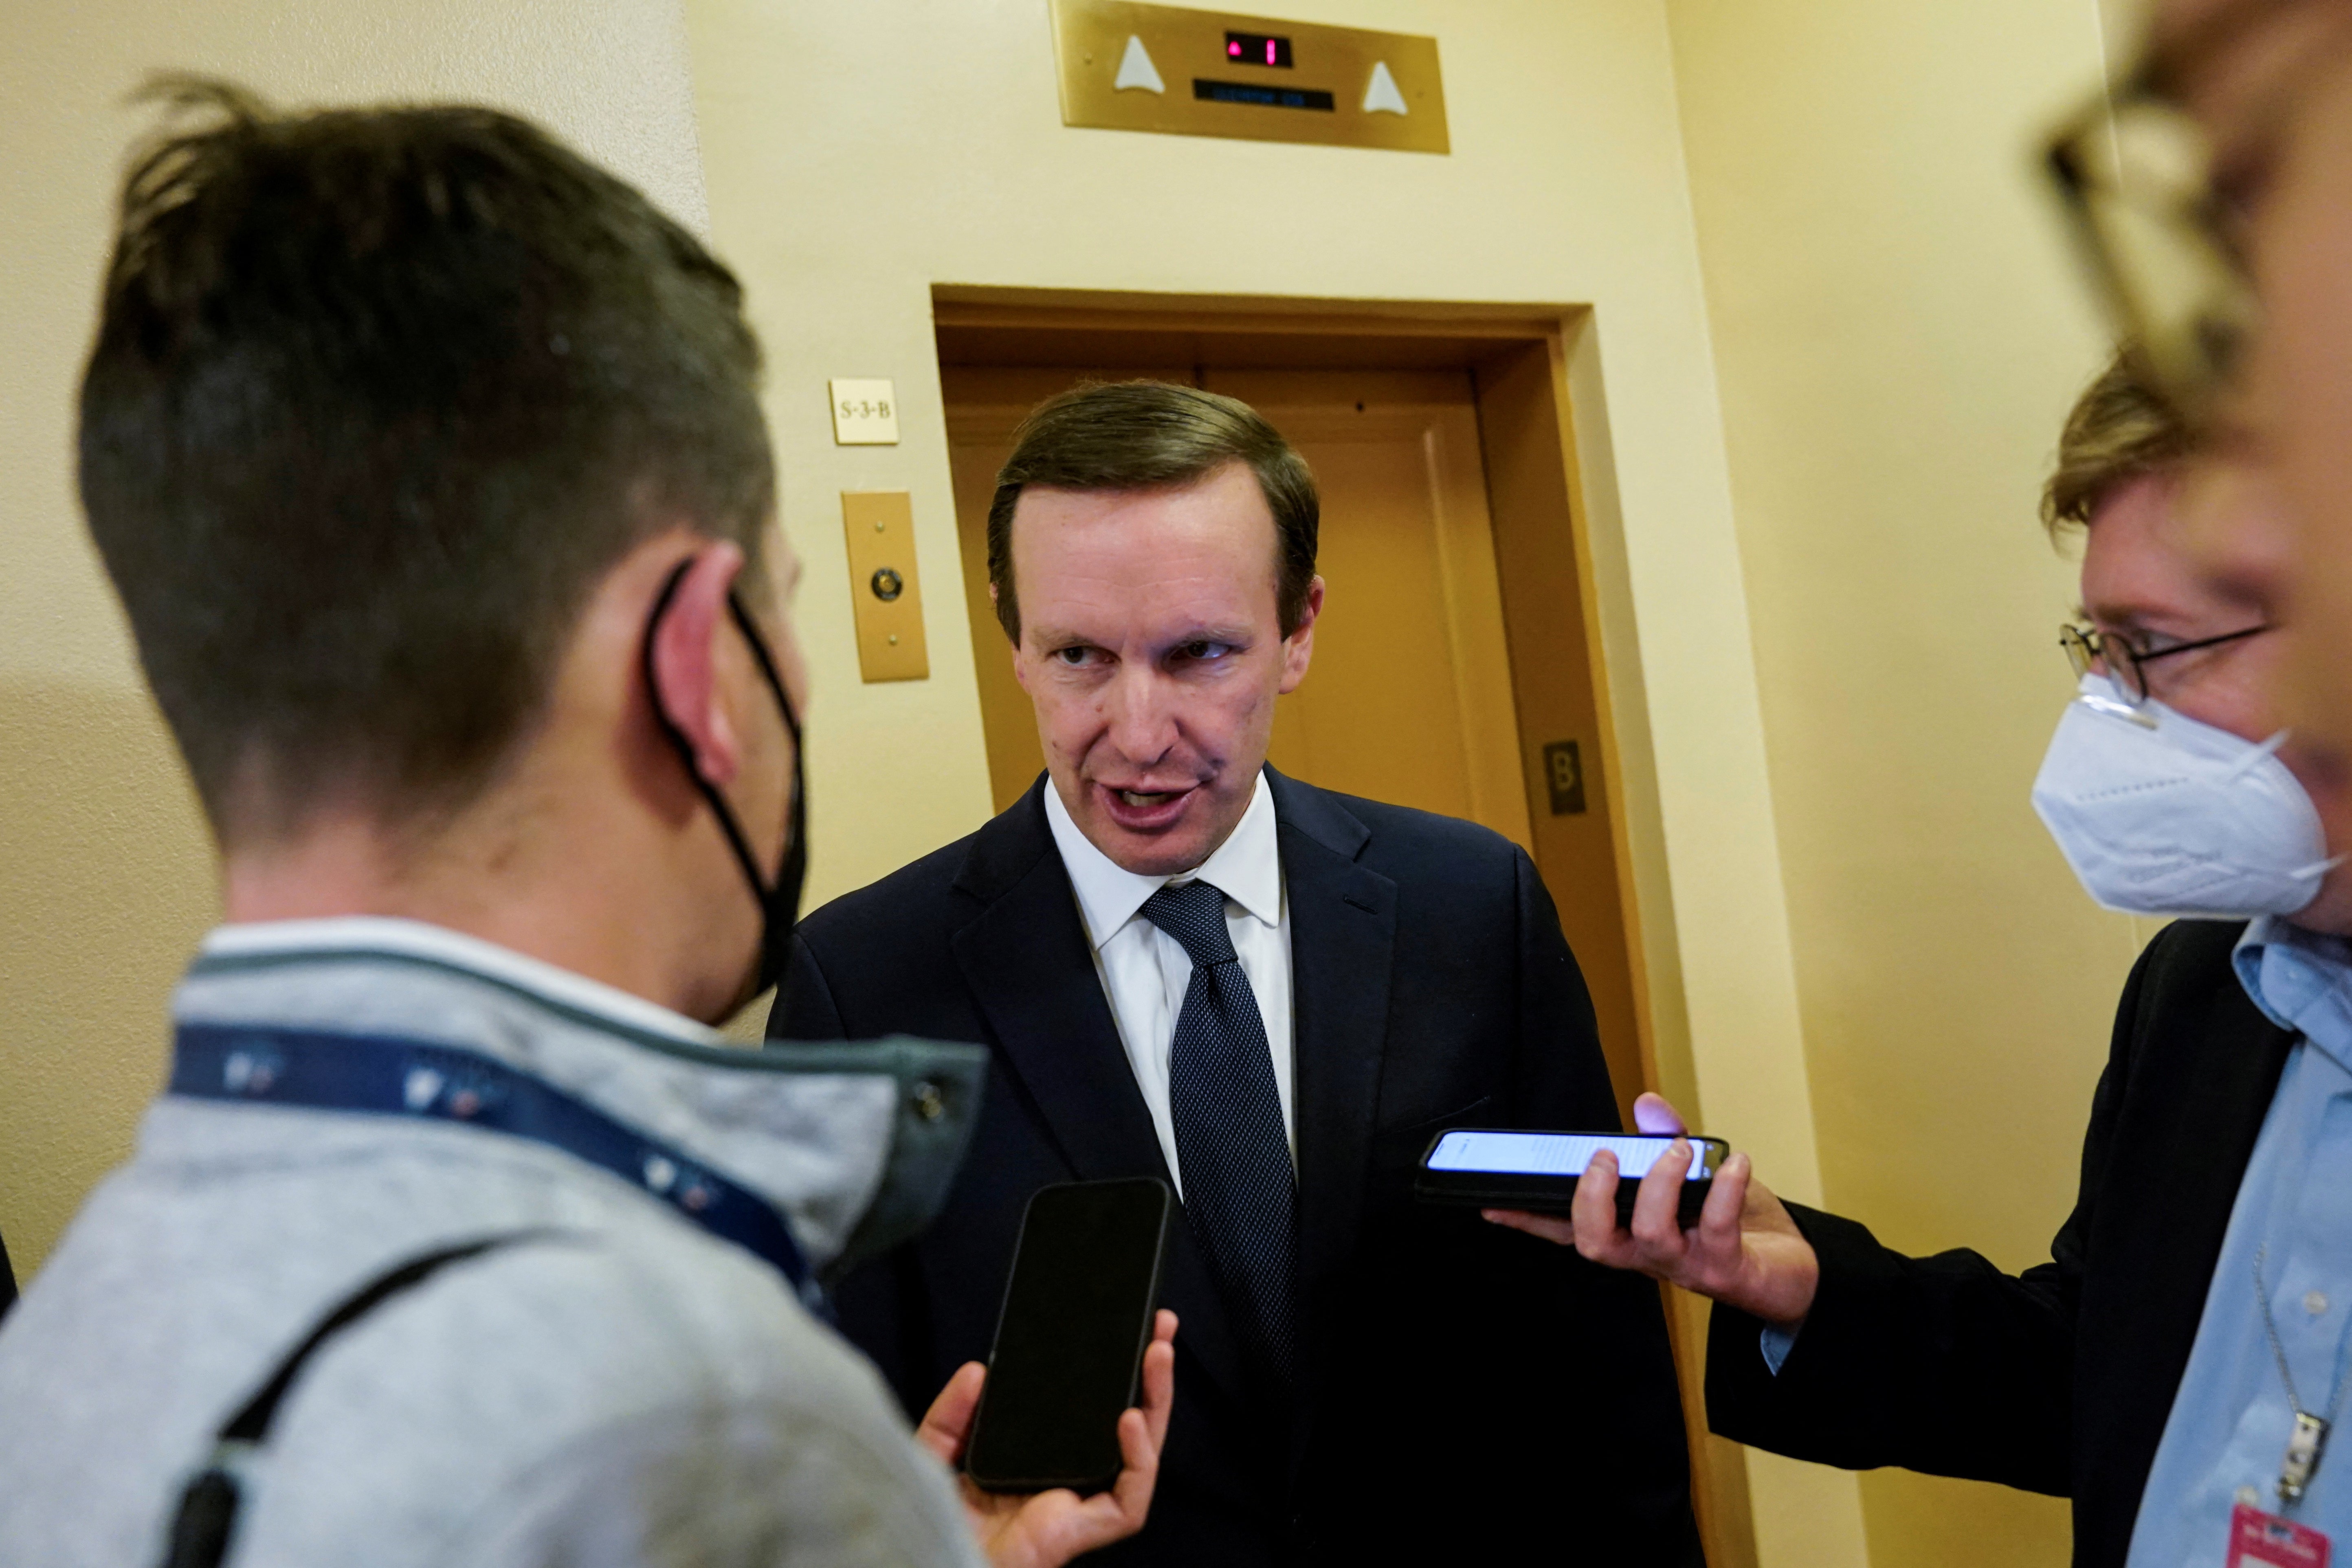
2236	187
1072	656
1203	650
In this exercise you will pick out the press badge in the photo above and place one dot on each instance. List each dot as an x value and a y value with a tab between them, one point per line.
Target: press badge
2258	1540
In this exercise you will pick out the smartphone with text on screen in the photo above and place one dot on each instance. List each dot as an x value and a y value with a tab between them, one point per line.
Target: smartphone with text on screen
1538	1171
1069	1347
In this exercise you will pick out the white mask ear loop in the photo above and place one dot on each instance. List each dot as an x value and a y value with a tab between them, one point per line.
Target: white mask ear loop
2255	758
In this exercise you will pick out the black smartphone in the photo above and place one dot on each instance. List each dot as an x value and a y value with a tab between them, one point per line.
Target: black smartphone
1071	1337
1538	1171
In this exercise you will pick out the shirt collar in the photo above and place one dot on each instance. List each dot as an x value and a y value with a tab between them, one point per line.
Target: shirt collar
417	939
2300	980
1247	868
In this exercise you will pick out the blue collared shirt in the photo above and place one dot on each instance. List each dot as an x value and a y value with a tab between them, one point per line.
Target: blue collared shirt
2231	1416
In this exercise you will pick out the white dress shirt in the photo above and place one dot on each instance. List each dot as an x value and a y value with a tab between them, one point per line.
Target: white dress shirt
1145	971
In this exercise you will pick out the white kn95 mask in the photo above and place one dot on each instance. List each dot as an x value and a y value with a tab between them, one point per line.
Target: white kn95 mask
2160	815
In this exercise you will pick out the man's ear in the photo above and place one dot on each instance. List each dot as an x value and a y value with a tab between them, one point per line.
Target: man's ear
1298	648
685	662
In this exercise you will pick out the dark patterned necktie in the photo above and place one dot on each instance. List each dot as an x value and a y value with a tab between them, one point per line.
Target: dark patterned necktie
1231	1149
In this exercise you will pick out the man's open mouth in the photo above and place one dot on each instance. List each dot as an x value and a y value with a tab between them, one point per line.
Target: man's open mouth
1146	810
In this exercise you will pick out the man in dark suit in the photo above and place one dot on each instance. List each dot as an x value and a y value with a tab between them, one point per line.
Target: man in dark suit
1188	966
2104	1376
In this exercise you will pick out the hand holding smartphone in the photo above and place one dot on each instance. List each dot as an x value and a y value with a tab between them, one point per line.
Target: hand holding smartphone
1037	1520
1745	1248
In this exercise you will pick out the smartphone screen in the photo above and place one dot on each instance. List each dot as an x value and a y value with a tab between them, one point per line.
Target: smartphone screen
1069	1343
1565	1153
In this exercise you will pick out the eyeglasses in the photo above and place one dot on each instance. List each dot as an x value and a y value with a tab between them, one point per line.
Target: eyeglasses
2093	652
2134	171
2161	224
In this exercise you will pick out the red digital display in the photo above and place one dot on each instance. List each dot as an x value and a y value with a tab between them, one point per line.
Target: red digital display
1258	49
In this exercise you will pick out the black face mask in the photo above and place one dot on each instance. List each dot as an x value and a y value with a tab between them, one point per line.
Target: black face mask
779	902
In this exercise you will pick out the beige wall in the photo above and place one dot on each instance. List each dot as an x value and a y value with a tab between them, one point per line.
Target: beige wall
1898	332
1828	612
105	873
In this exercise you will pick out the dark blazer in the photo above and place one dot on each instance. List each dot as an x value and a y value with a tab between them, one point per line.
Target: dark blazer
1463	1386
2058	1380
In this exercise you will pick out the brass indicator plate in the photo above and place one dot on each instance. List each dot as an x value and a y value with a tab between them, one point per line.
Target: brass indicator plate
884	591
1204	73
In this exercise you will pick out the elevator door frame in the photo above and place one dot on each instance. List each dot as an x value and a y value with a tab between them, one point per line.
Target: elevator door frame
1533	369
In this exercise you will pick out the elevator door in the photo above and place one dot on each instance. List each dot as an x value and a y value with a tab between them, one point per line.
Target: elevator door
1408	696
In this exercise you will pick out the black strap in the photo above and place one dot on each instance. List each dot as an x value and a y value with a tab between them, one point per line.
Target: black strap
251	1424
207	1517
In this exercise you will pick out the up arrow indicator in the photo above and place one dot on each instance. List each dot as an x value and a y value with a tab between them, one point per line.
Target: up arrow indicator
1381	94
1136	70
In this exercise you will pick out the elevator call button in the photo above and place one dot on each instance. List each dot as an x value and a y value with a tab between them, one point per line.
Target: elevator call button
886	599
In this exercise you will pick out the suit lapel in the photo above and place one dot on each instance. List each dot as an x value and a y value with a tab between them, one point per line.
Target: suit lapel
1031	969
1342	942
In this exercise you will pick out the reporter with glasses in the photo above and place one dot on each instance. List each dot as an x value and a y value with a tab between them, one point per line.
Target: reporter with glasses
2133	1372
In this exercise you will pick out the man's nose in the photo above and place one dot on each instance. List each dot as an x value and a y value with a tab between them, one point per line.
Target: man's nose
1140	715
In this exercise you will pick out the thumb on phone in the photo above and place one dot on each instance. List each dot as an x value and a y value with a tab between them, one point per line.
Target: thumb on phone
948	1423
1653	1115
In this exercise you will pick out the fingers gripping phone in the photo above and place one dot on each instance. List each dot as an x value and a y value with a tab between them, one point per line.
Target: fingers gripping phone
1538	1171
1070	1339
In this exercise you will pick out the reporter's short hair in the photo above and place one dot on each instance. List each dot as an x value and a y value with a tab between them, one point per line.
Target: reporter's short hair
379	395
1155	435
2120	429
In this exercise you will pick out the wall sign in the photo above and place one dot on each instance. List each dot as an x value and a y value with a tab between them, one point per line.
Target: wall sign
1564	777
1126	66
865	413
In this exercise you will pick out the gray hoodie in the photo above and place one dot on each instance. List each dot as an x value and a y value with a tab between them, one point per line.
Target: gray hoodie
634	1390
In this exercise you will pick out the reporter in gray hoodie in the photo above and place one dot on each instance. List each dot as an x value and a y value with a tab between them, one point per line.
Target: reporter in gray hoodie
427	460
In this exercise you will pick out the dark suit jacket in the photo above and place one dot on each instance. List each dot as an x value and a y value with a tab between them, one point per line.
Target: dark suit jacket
2059	1380
1463	1387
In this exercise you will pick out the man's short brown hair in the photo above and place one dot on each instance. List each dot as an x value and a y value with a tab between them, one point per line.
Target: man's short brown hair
379	397
1154	435
2120	429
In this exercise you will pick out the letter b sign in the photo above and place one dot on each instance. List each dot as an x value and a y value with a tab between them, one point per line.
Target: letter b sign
1564	775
